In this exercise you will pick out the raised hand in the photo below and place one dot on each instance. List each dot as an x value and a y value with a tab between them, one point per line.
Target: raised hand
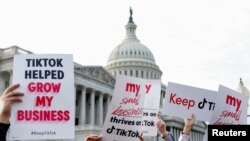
189	122
9	97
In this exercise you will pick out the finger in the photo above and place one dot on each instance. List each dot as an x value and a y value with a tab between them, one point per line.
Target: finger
193	117
141	136
158	123
15	100
14	94
190	118
158	115
99	137
11	88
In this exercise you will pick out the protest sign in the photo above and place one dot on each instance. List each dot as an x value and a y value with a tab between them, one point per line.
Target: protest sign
125	120
151	107
48	107
182	101
231	107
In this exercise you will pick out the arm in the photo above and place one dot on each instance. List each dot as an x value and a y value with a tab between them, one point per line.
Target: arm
3	131
6	100
161	126
187	128
183	137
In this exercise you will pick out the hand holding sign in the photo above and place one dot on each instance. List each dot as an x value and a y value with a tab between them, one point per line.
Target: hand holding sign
161	126
141	138
6	100
189	122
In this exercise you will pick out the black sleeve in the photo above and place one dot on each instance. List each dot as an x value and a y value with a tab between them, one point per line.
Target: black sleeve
3	131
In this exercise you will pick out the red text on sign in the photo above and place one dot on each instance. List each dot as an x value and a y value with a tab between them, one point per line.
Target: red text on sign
43	115
233	101
131	87
181	101
44	87
44	101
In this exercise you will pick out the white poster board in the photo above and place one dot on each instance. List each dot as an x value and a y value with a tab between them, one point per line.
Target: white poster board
48	107
125	120
182	100
151	107
231	107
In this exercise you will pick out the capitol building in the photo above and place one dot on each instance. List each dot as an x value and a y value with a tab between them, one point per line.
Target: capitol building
94	85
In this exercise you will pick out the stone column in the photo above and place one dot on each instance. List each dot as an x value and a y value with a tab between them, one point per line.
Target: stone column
83	107
108	99
161	99
101	109
11	75
92	108
75	93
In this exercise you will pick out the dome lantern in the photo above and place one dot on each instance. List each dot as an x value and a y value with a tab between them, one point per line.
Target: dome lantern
131	27
242	89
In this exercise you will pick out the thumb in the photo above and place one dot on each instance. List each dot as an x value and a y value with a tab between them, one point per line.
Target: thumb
158	116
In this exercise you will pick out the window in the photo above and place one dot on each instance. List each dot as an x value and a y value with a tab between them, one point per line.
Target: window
7	84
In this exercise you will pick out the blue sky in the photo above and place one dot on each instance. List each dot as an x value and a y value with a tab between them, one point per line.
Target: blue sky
194	42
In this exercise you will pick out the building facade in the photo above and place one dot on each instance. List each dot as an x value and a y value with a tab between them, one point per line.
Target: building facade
94	84
132	58
243	90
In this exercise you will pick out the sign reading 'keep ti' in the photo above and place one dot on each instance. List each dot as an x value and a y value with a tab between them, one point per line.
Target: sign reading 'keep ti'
182	101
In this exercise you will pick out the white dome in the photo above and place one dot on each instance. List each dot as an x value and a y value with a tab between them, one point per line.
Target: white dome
131	49
133	58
